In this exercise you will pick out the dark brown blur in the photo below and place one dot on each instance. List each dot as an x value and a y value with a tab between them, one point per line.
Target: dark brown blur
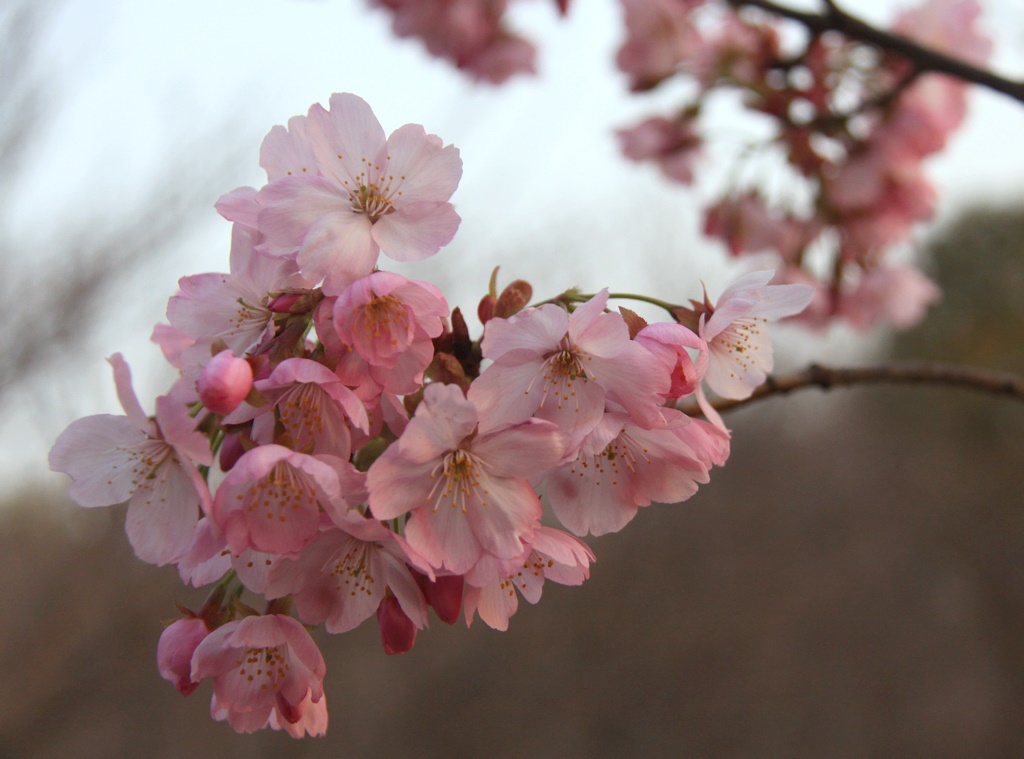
850	585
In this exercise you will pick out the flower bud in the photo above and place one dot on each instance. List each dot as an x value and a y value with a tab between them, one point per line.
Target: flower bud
296	303
397	631
513	299
174	652
224	382
445	595
485	310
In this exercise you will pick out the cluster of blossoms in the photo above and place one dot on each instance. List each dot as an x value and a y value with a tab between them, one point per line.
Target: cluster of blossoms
470	34
852	122
332	445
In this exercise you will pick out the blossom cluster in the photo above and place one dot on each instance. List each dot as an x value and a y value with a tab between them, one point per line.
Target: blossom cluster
852	123
333	445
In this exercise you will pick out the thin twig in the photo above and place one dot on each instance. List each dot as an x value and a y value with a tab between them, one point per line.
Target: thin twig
924	58
901	373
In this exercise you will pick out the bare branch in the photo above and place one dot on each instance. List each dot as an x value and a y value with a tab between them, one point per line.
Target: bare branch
899	373
923	58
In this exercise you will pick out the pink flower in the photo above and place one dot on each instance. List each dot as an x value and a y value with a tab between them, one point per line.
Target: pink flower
622	467
314	408
469	33
389	322
232	308
738	342
948	25
552	555
261	667
342	576
313	719
469	493
174	652
898	295
660	33
563	368
271	499
668	343
672	143
207	559
748	225
149	463
364	193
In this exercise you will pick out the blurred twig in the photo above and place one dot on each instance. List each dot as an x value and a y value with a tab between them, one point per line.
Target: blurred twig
898	373
922	58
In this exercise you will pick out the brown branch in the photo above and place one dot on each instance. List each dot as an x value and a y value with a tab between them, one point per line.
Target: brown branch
924	58
901	373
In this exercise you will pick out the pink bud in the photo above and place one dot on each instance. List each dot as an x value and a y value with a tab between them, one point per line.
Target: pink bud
174	652
397	631
224	382
445	595
231	451
513	299
485	310
284	304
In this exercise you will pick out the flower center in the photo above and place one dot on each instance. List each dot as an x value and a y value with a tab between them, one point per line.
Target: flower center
458	481
350	572
384	314
265	664
281	491
371	200
374	196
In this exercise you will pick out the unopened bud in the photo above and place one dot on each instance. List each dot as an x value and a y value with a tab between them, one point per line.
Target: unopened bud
485	310
444	594
397	631
174	652
513	299
224	382
296	303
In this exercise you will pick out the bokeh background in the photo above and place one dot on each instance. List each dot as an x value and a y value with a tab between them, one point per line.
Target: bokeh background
851	584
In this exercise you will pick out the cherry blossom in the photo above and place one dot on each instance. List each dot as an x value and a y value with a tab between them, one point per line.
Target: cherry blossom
342	576
232	308
672	143
552	555
260	666
271	499
468	492
364	194
469	33
562	367
621	467
151	463
739	346
313	407
386	323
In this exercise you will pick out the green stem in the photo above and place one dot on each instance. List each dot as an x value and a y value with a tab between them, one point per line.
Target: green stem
670	307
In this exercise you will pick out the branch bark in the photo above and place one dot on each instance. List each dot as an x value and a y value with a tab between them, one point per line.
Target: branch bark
901	373
923	58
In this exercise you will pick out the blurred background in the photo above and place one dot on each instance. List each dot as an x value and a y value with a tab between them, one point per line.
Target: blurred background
851	584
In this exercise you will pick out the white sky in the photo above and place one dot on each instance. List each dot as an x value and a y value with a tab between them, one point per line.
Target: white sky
545	193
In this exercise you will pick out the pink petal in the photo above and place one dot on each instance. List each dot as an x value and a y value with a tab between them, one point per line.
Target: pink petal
417	230
344	136
426	170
